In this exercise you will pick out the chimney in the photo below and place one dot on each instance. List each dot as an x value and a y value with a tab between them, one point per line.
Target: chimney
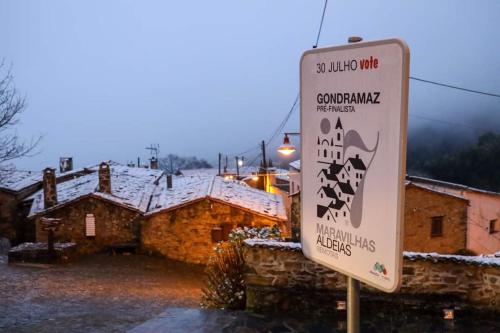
49	187
65	164
104	178
169	181
153	164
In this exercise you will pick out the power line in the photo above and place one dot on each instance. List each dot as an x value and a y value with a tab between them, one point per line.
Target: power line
320	25
454	87
284	121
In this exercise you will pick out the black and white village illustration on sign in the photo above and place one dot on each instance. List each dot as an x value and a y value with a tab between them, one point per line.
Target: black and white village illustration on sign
343	161
353	141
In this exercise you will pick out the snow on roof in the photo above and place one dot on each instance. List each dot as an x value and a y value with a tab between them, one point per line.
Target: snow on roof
130	187
433	182
295	164
16	180
481	260
187	189
200	172
281	174
435	189
248	197
184	189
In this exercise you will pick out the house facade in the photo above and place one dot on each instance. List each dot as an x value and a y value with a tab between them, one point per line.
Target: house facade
98	211
15	187
483	214
186	221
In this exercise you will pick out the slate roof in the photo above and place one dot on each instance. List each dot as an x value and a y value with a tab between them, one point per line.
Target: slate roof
295	164
17	180
188	189
145	190
130	187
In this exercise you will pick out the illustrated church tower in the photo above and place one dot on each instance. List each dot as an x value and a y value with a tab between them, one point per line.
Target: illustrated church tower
338	147
325	149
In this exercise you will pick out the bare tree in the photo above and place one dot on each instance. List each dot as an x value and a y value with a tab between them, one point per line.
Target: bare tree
11	106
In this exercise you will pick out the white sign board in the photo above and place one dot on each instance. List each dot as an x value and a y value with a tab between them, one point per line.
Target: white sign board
354	113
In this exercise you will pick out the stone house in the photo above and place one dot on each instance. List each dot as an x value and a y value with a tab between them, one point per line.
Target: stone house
483	213
15	187
180	217
434	221
186	219
99	210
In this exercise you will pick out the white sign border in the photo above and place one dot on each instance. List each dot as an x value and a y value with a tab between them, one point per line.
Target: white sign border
402	151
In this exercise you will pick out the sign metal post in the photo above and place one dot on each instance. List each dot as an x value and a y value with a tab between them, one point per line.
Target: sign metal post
354	114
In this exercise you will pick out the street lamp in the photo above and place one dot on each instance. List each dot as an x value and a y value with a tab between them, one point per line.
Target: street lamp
287	148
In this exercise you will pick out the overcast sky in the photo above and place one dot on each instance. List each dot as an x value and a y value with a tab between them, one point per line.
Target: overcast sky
104	79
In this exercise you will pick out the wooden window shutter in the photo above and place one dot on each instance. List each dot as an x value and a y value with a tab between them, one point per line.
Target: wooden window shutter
90	225
216	234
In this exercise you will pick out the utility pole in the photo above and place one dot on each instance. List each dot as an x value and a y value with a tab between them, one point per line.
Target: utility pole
220	158
237	167
264	167
264	163
225	166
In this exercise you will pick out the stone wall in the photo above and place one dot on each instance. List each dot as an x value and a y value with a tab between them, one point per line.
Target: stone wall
185	233
113	224
420	206
280	278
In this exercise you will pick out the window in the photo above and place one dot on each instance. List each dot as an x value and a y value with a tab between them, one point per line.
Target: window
348	199
325	153
216	234
437	226
493	226
344	214
338	136
328	217
336	214
321	179
338	155
348	168
321	195
90	225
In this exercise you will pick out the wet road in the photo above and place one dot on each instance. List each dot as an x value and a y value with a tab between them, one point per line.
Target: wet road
96	294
